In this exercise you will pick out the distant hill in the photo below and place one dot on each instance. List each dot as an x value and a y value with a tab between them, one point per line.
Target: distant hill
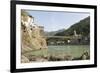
52	33
82	27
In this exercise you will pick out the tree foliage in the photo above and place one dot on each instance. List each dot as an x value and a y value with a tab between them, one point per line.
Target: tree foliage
82	27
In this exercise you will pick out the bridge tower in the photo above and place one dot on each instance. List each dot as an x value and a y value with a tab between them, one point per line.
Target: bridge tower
75	33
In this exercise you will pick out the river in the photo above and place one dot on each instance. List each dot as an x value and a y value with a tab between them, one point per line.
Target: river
74	50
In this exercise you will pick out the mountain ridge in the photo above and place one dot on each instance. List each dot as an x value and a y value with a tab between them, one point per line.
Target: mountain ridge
82	27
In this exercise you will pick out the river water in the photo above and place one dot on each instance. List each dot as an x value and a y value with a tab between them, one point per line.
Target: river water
74	50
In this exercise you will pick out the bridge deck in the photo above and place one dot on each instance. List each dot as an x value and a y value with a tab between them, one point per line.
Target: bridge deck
62	37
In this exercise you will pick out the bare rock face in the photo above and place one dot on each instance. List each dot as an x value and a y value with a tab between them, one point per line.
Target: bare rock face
31	37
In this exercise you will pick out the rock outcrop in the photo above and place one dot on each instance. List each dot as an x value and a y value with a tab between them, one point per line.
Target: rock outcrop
32	37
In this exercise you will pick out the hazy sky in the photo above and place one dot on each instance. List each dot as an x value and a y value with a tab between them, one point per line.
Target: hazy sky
53	21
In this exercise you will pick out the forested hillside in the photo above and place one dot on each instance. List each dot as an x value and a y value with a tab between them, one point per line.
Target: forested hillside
82	27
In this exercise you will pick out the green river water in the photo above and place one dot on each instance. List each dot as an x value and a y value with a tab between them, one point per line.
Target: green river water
73	50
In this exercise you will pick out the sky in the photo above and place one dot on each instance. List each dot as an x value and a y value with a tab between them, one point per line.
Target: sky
53	21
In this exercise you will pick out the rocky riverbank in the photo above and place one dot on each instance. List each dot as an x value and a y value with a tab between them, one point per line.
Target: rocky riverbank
51	57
